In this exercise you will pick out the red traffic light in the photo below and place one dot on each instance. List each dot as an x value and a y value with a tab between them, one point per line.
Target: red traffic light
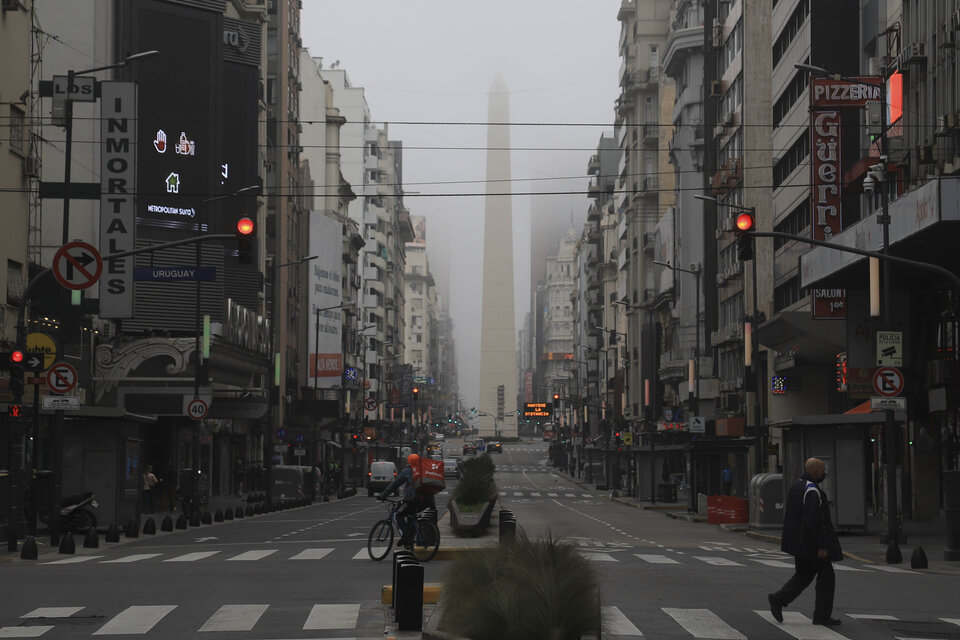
245	226
556	396
744	221
16	357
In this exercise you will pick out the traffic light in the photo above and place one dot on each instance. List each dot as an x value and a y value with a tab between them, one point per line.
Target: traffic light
744	223
14	361
416	393
556	397
246	232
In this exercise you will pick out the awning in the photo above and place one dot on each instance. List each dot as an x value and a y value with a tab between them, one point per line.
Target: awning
796	332
863	407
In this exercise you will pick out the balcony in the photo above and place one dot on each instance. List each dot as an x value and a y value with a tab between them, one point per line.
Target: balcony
651	184
594	213
593	165
728	176
651	133
593	189
649	240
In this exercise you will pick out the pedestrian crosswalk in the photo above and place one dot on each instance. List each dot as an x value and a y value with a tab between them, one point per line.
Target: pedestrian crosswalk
252	555
339	618
510	493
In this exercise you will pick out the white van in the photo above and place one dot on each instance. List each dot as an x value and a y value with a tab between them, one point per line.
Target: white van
381	474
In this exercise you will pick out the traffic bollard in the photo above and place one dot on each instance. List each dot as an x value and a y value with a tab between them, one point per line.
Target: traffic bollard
133	529
241	512
113	533
918	560
409	596
400	554
167	523
181	521
67	544
194	519
206	518
227	514
90	540
218	515
502	516
29	550
149	527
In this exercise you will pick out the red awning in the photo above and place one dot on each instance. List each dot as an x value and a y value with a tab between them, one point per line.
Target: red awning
863	407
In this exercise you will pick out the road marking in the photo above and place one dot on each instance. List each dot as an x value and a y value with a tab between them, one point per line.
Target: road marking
534	494
73	560
655	559
955	621
843	567
551	495
799	626
23	632
718	562
53	612
598	557
518	493
587	495
134	558
134	620
774	563
615	623
870	616
193	557
248	556
363	555
882	567
703	623
311	554
333	616
569	495
235	617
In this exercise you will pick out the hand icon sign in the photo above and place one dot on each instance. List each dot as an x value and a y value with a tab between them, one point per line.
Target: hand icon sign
160	142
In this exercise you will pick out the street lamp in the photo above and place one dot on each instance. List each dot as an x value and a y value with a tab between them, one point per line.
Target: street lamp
878	174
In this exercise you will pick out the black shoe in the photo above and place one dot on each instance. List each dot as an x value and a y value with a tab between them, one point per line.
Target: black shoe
776	609
827	622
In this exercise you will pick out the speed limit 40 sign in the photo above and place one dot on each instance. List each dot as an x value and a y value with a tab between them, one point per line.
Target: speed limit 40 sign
197	409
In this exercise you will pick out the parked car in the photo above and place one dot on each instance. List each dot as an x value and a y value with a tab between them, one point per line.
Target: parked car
451	468
494	447
382	473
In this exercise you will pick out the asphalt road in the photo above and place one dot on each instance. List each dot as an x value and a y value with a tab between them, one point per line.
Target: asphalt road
305	573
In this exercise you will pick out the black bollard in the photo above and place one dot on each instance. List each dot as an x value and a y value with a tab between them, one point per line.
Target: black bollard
218	515
508	528
67	544
918	560
502	516
242	512
206	518
149	527
227	515
398	556
167	523
194	519
409	596
893	553
29	549
91	540
133	529
113	533
181	521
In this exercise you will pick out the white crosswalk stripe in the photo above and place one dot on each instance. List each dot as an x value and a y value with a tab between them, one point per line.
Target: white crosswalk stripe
73	560
53	612
24	632
594	556
703	623
655	559
312	554
615	623
136	557
249	556
134	620
333	616
192	557
799	626
235	617
718	561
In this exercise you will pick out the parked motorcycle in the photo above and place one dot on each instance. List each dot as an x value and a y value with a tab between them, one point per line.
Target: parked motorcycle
76	513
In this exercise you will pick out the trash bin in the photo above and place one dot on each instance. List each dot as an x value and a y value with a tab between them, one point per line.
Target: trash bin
766	501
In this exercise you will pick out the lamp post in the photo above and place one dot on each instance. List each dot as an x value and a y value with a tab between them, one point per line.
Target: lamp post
694	379
894	534
614	338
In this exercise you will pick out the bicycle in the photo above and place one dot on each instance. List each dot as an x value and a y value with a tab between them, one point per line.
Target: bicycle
380	541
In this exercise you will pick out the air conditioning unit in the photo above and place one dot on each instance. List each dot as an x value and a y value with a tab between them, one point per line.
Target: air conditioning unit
720	280
31	167
716	88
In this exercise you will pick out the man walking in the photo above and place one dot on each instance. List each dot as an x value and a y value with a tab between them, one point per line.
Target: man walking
809	537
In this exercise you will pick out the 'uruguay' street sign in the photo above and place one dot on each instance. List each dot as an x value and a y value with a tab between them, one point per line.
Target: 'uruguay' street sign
173	274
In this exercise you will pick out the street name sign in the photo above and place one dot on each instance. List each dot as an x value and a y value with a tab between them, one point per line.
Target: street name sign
61	403
888	404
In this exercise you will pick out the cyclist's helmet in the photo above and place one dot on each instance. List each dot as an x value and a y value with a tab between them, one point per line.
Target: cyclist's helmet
413	459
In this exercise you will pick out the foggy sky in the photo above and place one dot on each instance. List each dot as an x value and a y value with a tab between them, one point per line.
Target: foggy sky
432	61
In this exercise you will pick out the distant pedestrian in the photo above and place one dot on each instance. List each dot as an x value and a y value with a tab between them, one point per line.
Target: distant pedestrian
726	478
149	482
809	537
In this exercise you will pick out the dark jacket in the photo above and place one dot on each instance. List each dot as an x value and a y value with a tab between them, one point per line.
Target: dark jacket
405	476
807	527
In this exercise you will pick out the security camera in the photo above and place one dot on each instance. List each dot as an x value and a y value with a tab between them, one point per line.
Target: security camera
869	185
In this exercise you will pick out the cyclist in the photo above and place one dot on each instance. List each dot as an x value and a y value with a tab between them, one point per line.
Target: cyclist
412	503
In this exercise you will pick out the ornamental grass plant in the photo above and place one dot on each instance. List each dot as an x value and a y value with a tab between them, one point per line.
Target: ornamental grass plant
522	590
475	486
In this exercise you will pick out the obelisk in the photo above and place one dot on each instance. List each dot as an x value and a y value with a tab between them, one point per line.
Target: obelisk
498	354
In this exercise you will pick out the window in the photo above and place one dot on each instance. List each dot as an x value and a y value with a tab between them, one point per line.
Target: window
418	337
790	30
14	281
798	152
795	223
